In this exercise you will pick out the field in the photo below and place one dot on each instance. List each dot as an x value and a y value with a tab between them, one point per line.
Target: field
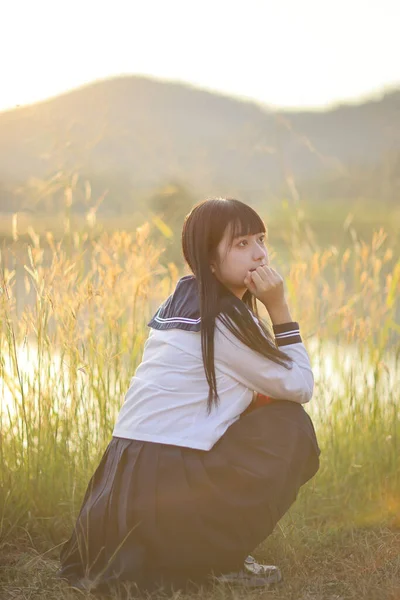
67	357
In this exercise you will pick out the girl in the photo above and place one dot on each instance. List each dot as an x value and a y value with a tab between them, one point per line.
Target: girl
195	475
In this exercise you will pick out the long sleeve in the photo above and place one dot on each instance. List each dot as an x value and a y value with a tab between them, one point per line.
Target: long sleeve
261	374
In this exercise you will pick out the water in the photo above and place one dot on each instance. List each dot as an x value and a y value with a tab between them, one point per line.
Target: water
339	372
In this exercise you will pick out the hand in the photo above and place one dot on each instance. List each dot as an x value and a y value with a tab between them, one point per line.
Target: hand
266	285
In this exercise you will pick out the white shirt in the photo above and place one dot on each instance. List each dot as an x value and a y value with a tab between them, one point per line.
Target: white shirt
167	398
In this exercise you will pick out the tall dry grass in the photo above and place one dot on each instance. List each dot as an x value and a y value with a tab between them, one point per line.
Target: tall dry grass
66	362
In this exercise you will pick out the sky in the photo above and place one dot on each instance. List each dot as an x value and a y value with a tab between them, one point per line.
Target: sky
307	54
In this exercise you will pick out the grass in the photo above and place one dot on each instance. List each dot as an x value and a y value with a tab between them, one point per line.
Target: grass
67	358
318	562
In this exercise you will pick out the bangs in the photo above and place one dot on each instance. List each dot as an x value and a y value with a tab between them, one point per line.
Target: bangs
244	221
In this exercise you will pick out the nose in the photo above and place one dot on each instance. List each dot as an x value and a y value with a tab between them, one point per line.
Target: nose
260	254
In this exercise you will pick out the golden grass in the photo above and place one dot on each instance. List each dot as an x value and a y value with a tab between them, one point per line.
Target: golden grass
66	360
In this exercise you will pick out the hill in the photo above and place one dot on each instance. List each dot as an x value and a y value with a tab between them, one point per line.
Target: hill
131	135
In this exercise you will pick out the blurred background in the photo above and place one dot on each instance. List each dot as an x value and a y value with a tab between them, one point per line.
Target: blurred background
116	113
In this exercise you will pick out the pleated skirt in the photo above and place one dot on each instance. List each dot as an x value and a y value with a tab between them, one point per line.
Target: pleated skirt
157	514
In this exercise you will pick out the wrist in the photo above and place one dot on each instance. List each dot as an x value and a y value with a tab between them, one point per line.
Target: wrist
279	313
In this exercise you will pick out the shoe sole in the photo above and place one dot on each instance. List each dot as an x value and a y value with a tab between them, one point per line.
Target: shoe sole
250	580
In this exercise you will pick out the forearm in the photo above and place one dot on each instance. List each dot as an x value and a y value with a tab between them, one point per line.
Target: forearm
279	313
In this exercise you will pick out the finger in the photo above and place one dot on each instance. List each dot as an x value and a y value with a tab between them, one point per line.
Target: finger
273	271
250	284
270	275
262	272
247	280
254	275
260	276
269	270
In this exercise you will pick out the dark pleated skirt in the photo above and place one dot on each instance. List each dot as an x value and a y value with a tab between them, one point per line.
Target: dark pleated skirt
157	514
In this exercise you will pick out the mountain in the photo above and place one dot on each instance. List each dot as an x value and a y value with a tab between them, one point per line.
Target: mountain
131	135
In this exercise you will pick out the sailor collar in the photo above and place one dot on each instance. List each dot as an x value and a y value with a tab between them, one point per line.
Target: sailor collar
181	310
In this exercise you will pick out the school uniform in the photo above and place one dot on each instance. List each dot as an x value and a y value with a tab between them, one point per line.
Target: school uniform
178	493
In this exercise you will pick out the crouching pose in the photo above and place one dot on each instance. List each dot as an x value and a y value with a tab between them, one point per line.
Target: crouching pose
212	442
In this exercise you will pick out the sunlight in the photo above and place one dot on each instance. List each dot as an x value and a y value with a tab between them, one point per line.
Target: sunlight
268	52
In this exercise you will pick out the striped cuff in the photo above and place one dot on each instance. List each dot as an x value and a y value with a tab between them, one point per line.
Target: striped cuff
287	333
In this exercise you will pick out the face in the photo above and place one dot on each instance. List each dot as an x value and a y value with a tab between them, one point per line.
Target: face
246	253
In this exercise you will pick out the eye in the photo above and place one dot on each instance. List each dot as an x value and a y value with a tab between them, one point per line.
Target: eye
262	238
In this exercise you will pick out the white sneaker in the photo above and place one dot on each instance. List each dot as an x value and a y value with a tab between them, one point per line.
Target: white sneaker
253	574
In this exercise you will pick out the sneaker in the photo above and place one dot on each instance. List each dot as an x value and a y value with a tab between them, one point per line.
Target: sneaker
253	574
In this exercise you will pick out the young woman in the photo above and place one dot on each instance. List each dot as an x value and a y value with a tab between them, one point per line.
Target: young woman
195	475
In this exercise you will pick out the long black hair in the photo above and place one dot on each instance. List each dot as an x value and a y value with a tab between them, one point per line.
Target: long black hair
202	231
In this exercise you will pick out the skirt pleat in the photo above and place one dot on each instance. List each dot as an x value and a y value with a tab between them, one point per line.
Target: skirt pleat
156	513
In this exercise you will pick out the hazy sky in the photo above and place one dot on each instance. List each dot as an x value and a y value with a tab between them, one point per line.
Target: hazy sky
287	53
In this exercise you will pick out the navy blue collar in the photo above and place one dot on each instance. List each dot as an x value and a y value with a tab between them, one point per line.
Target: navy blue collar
181	310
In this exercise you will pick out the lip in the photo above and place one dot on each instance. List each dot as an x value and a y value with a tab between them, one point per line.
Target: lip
256	268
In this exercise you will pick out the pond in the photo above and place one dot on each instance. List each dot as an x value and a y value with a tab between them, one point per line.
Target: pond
339	372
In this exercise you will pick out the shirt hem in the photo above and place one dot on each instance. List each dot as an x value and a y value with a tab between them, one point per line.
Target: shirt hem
159	439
